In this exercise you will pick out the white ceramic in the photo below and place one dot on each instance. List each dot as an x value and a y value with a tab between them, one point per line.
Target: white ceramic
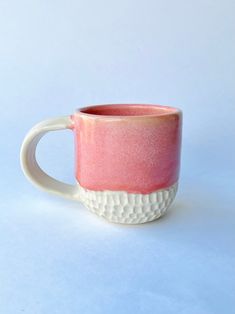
127	160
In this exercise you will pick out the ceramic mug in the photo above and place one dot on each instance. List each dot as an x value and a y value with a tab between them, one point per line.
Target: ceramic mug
127	159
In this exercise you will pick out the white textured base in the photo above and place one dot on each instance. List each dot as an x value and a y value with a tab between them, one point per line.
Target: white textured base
128	208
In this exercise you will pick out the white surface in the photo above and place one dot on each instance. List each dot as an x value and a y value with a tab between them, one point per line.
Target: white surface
28	160
58	257
128	208
55	256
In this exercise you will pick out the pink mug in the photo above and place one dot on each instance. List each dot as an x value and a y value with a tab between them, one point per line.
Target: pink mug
127	159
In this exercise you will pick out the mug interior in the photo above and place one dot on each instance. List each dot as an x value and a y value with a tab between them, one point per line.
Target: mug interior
128	110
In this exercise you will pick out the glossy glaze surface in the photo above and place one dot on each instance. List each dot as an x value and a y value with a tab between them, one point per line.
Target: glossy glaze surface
133	148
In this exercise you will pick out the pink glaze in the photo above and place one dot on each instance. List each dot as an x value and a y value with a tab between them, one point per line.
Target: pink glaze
133	148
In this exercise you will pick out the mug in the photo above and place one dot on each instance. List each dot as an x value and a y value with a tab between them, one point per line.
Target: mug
127	159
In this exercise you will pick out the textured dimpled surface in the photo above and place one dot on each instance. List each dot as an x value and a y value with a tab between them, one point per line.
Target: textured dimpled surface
128	208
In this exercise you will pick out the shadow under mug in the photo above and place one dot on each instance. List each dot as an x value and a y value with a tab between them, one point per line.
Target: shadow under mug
127	159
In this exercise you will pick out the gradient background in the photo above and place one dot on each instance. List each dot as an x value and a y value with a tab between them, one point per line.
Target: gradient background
56	257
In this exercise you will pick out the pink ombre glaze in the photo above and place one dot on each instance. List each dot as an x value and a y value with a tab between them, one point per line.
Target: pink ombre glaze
133	148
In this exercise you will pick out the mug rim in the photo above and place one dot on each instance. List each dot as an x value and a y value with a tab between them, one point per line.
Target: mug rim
167	111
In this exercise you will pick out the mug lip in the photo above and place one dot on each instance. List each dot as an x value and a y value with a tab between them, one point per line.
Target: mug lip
169	111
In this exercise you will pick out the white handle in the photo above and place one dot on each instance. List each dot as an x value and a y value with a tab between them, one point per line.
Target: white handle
29	163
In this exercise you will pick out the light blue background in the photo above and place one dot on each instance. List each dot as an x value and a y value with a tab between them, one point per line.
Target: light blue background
55	56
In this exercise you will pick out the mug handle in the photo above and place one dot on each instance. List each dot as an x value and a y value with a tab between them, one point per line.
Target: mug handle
30	165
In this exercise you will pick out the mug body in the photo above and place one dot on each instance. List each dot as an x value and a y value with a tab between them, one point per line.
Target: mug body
127	160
